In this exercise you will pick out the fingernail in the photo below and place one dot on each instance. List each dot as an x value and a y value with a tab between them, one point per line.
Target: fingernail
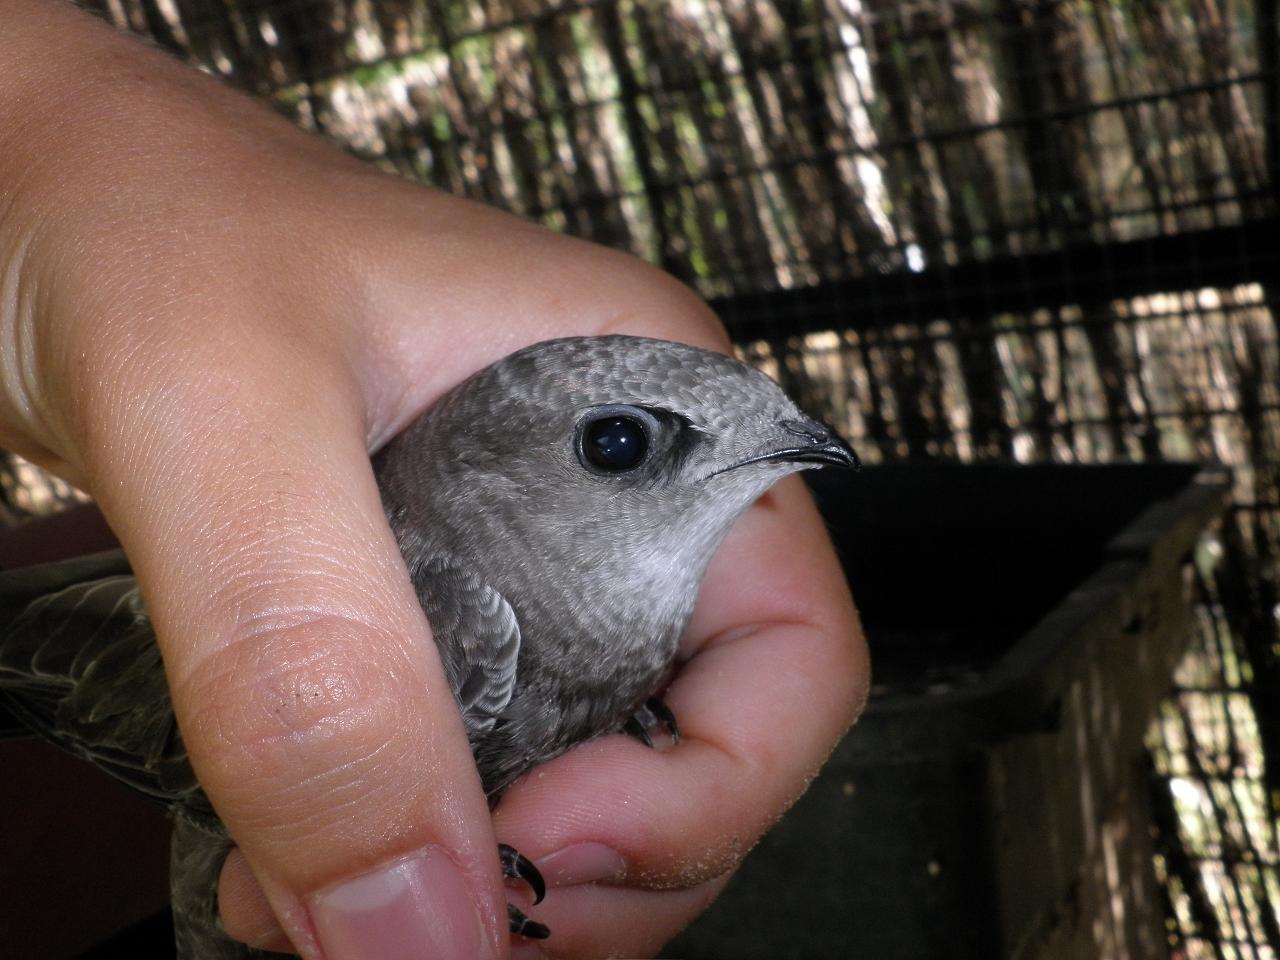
581	863
413	908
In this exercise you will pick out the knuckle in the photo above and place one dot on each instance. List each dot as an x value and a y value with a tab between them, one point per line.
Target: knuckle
287	713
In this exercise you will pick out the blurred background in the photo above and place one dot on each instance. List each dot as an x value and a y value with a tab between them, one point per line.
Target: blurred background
1033	232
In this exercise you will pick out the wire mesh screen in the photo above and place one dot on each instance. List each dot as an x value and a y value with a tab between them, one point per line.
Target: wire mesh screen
749	145
1040	230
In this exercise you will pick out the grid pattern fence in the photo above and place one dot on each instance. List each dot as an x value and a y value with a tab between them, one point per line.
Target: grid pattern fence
1033	230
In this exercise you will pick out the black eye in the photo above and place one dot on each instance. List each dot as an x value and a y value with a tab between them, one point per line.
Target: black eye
615	444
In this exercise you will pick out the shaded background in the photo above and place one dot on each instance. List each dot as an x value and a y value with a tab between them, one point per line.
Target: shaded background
1023	230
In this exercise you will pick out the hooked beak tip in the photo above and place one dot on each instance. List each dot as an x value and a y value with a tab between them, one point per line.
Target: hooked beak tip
834	454
824	446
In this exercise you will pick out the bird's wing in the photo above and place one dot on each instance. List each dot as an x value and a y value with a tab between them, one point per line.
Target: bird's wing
79	665
478	636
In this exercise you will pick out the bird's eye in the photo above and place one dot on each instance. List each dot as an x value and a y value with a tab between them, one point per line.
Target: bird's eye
615	443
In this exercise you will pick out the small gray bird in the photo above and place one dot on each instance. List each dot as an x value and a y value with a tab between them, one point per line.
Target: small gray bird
556	512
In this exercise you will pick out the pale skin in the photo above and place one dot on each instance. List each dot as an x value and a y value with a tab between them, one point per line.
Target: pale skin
207	321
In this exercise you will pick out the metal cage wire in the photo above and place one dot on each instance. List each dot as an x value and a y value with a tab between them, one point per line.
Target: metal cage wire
1037	230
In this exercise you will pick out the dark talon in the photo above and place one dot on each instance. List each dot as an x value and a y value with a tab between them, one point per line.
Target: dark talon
635	728
664	716
653	713
524	927
516	866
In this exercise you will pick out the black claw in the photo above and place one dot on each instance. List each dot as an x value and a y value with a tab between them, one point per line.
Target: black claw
653	712
522	926
664	714
634	727
516	866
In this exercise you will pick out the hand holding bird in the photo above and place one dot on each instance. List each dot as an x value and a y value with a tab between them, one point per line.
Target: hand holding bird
209	319
556	513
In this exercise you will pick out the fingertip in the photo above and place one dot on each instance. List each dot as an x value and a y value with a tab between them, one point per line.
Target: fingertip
244	909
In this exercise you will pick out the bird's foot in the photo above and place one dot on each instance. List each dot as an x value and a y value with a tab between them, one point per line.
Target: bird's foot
522	926
516	866
652	714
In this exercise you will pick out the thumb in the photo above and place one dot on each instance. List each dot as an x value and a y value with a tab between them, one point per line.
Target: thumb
180	336
303	675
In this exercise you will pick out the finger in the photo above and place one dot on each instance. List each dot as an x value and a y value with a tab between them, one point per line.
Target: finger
778	673
245	910
624	922
303	675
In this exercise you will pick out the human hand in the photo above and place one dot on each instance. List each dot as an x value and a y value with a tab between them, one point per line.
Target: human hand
208	321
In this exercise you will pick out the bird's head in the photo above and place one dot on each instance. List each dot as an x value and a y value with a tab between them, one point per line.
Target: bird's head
605	440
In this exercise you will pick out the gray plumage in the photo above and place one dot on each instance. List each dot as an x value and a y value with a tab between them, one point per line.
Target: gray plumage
557	570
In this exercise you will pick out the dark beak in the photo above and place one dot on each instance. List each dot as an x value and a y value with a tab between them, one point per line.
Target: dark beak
814	443
819	444
834	453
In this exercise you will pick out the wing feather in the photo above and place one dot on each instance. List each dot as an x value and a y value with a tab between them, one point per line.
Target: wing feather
478	636
79	665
